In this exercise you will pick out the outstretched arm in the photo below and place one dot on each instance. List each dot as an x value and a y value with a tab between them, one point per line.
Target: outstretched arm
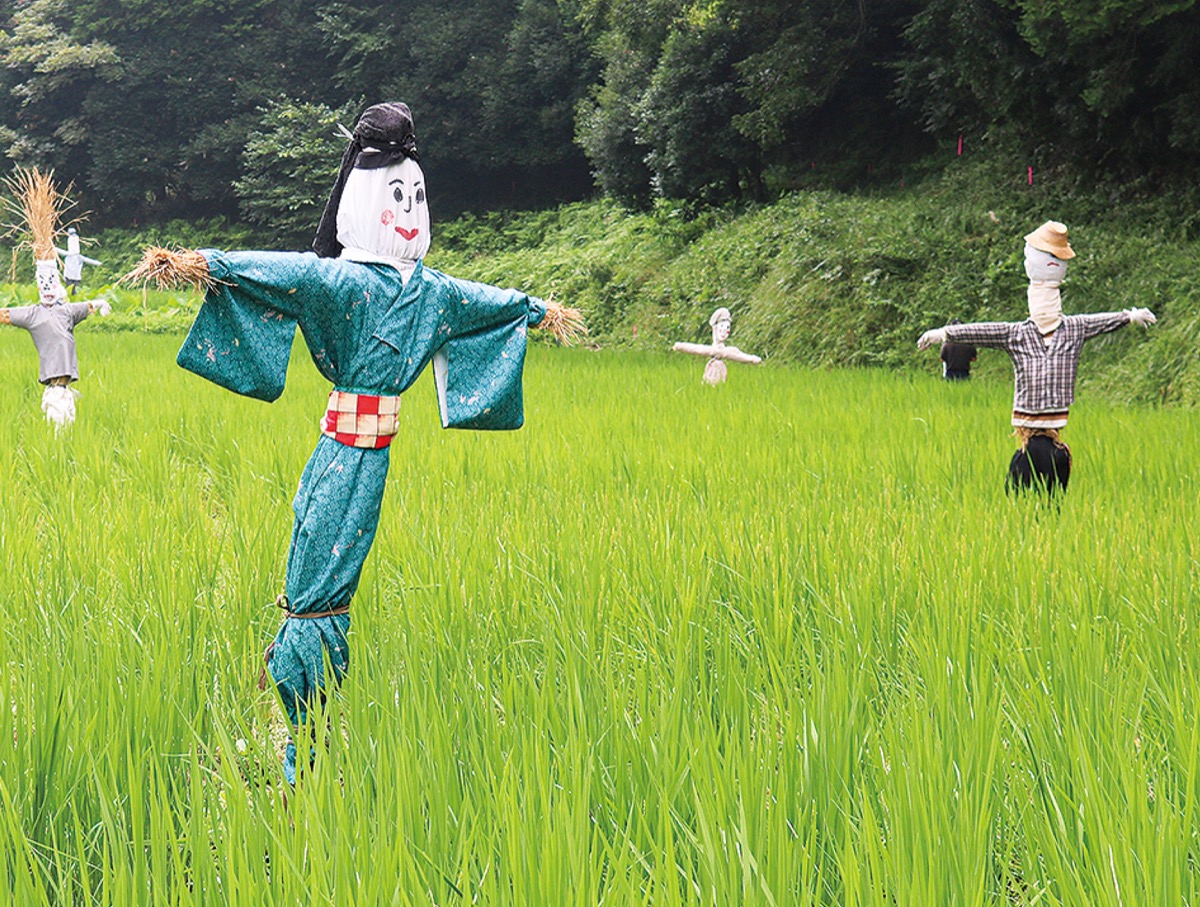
996	334
1103	322
287	284
18	316
565	323
478	307
930	338
1144	317
169	269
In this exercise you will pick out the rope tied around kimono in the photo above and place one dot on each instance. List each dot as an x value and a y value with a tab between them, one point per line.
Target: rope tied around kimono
281	602
361	420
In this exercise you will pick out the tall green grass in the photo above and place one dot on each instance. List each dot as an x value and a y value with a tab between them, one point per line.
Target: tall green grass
780	642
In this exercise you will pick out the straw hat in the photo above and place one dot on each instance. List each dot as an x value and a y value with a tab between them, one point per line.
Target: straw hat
1051	237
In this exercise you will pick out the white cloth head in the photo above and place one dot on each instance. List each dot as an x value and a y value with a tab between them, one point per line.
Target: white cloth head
721	323
1044	267
1045	273
383	213
49	284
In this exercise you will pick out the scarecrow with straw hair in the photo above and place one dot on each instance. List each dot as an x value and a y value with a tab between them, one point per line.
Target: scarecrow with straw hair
38	206
373	317
1045	351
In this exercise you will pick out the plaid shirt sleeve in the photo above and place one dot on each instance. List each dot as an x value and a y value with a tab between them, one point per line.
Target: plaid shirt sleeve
1102	323
994	334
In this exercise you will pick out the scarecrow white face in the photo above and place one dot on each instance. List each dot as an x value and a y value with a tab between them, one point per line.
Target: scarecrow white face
1045	273
50	288
383	211
1043	266
721	323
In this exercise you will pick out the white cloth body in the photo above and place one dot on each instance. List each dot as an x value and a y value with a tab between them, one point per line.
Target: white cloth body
715	371
1045	273
383	215
74	259
58	403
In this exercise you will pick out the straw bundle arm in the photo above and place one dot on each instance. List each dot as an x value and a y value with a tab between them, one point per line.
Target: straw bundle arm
566	324
168	269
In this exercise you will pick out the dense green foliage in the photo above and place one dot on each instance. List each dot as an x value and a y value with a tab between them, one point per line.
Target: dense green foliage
159	111
818	277
823	278
783	642
291	161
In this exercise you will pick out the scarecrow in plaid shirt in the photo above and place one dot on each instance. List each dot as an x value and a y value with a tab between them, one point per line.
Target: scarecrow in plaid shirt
373	317
1045	351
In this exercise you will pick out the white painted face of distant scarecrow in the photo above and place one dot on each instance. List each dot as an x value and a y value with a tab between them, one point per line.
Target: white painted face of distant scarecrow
383	211
721	323
49	284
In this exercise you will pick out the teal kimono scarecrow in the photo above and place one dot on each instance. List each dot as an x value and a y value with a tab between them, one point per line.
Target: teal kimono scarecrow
373	317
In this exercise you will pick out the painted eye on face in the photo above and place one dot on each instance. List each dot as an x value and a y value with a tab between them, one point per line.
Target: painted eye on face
398	194
420	196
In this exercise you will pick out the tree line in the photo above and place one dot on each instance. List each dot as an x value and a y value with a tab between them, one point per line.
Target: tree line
231	107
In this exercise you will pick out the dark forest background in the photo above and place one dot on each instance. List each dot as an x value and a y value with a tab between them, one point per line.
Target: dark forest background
202	108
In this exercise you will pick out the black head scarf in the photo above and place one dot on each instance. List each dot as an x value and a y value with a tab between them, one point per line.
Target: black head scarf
387	131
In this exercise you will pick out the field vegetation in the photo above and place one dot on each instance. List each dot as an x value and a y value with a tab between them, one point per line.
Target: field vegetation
784	641
817	278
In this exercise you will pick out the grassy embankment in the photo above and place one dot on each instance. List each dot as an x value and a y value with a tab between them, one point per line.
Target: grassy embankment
817	278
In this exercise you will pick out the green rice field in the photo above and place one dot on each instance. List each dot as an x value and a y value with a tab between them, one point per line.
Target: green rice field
781	642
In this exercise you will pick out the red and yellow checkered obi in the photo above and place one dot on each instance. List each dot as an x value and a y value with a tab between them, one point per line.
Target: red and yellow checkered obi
361	420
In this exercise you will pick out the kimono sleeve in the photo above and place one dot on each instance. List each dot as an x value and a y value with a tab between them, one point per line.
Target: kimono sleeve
478	378
478	370
242	336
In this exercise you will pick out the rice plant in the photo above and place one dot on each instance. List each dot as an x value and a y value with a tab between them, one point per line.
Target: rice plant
784	641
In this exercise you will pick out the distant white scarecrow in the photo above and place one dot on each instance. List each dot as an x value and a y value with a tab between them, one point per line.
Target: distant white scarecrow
51	323
721	323
73	261
1045	349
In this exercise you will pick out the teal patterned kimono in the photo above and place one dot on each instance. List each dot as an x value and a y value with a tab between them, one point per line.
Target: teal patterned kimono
368	333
